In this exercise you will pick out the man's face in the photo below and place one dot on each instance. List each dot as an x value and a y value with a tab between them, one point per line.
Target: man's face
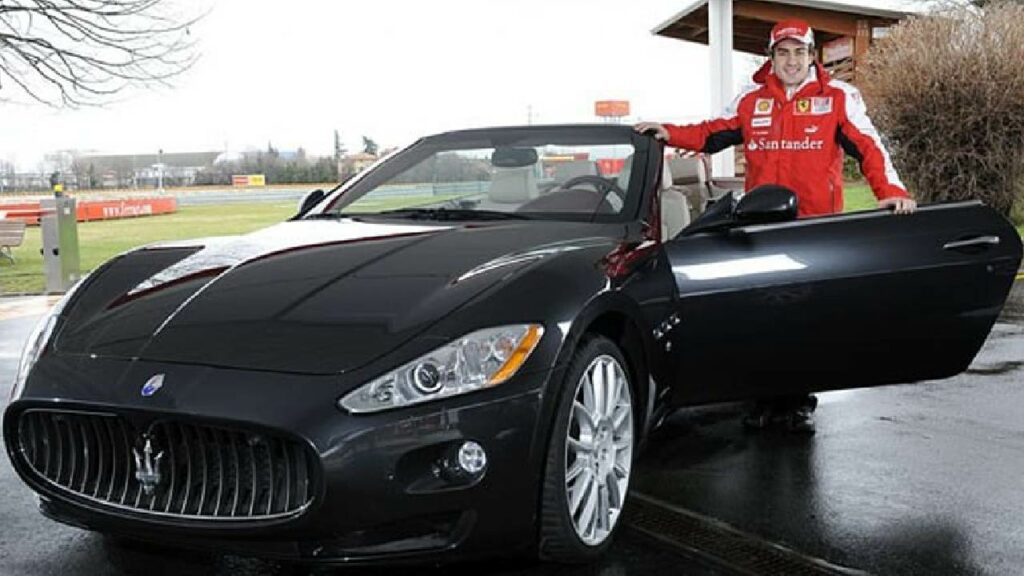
791	60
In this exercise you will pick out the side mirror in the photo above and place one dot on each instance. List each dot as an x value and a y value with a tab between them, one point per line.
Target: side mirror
310	200
764	204
717	216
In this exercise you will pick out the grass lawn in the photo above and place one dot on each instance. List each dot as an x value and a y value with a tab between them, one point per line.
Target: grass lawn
98	241
858	197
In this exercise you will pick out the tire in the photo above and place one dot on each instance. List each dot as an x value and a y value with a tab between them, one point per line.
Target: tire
590	455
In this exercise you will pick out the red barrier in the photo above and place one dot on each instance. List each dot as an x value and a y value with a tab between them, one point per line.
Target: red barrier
87	210
112	209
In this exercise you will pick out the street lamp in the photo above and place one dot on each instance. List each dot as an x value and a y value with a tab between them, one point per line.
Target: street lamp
160	171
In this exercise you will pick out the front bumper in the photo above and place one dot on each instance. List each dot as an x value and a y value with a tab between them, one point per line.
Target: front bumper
378	495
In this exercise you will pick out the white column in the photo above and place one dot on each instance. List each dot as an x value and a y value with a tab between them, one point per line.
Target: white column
723	164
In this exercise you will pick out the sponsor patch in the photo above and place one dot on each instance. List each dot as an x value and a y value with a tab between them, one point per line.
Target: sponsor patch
761	122
803	106
821	105
763	106
767	145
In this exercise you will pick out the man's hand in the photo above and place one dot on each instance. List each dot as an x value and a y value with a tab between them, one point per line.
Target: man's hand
659	131
899	205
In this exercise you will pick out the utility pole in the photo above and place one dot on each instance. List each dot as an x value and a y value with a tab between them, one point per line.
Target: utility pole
160	171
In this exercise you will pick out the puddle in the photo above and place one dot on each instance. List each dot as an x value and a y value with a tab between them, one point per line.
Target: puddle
997	368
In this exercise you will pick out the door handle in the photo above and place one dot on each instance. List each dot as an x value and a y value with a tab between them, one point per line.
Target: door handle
980	241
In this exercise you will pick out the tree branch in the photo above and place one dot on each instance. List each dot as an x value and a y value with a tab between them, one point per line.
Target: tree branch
81	52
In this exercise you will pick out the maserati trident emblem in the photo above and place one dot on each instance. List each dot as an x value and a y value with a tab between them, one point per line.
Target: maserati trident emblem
152	385
147	465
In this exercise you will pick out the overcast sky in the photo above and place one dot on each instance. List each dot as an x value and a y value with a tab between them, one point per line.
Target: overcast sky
291	72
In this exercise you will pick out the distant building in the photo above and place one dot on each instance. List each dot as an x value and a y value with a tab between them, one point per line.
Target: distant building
355	163
138	170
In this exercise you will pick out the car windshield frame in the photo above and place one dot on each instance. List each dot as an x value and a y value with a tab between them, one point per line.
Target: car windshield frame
555	135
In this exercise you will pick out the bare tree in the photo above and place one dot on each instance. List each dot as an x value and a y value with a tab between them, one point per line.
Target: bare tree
82	52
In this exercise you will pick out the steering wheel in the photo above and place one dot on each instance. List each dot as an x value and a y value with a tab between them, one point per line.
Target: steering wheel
602	185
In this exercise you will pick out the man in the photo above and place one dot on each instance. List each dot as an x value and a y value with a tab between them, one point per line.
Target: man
795	122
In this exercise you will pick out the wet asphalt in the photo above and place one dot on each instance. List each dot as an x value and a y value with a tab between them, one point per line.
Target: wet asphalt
911	479
915	479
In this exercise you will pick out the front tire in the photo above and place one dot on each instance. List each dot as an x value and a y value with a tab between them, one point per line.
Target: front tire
590	455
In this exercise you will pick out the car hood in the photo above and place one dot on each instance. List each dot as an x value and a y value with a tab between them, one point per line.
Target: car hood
320	296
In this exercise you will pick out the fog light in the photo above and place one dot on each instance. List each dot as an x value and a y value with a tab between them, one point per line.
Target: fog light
472	458
465	462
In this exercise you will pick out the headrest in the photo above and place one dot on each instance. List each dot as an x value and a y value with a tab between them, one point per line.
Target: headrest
686	170
513	185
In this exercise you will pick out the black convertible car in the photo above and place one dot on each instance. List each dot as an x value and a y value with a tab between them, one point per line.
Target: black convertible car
460	350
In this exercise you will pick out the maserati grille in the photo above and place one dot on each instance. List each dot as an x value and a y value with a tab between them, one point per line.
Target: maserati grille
182	469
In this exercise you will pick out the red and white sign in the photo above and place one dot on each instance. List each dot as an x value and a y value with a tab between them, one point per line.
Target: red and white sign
837	49
611	108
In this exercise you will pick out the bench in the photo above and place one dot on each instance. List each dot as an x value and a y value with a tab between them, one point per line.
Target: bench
12	234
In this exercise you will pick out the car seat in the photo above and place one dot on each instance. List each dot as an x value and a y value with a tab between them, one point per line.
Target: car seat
675	210
688	176
513	185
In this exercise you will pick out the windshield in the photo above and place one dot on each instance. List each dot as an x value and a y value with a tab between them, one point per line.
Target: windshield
550	174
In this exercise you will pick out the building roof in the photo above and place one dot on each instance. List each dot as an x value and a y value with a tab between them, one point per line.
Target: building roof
753	20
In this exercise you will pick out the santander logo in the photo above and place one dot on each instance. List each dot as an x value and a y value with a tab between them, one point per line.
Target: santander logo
796	145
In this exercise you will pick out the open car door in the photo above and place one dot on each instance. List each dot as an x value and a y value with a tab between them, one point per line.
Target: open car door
836	302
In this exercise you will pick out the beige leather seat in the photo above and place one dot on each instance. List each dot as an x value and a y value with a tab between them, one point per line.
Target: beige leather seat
675	209
513	185
688	176
623	178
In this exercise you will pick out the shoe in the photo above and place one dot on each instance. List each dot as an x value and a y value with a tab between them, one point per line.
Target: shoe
801	421
758	418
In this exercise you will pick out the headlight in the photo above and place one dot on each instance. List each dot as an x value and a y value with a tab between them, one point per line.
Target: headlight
38	339
478	360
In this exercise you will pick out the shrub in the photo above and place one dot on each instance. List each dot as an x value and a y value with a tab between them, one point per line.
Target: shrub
948	91
851	170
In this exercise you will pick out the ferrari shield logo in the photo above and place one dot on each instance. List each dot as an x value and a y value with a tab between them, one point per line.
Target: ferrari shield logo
803	106
763	106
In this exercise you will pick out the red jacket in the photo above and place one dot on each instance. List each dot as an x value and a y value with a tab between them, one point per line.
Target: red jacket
798	142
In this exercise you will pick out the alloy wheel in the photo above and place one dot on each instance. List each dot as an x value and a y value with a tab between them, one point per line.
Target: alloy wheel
599	449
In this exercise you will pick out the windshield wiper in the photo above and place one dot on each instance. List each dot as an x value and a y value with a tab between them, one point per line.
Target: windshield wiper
451	214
